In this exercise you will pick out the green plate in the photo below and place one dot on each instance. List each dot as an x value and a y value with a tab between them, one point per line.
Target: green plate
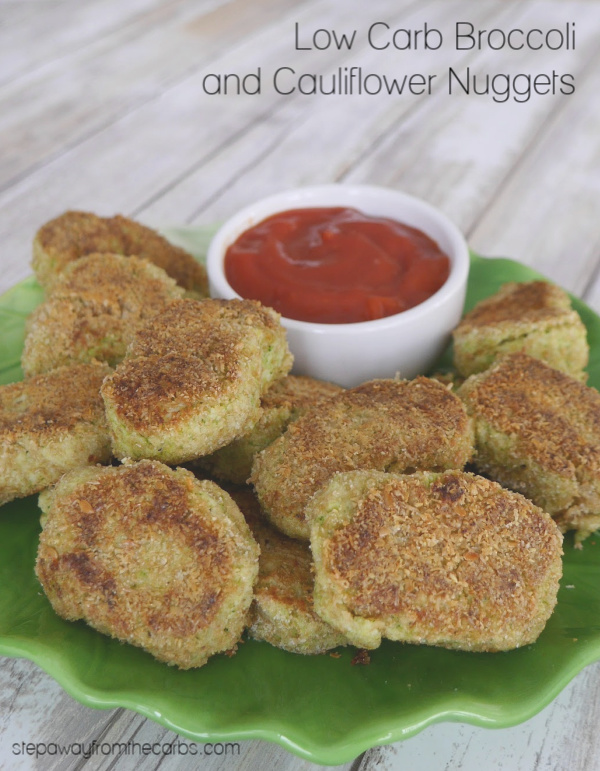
319	707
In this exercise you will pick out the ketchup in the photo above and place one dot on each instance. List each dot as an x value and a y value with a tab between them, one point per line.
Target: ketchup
335	265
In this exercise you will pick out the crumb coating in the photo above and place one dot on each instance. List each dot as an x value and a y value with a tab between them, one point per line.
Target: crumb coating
151	556
93	311
534	317
75	234
285	401
193	378
283	610
447	559
50	424
538	432
388	425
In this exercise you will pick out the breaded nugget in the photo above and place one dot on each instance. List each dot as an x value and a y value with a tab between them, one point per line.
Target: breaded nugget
282	613
151	556
285	401
447	559
50	424
193	379
75	234
537	431
96	306
534	317
388	425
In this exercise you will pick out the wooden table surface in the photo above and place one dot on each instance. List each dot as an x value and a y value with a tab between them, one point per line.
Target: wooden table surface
103	107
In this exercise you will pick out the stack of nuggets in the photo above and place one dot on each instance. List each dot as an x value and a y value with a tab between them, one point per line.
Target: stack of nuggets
388	425
404	543
76	234
144	553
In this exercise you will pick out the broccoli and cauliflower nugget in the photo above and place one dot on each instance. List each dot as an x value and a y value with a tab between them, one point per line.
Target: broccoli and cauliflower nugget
448	559
537	431
75	234
534	317
193	379
283	611
151	556
50	424
388	425
285	401
94	309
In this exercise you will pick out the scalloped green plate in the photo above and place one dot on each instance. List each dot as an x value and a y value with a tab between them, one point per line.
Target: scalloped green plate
319	707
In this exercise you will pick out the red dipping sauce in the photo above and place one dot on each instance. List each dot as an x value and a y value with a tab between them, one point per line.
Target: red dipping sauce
335	265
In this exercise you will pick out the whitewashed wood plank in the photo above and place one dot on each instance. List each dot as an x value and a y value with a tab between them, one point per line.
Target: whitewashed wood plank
114	169
65	101
299	145
51	30
555	225
34	709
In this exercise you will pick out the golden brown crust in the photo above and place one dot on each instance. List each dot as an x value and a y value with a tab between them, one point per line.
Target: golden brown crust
75	234
534	317
150	556
96	306
48	405
205	329
297	393
193	378
384	424
49	425
165	390
556	418
446	559
285	401
283	612
537	432
527	303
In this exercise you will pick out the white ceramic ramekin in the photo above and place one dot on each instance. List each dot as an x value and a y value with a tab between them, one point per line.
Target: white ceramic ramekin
406	344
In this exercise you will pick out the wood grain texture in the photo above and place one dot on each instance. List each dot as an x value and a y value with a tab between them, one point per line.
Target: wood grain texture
101	108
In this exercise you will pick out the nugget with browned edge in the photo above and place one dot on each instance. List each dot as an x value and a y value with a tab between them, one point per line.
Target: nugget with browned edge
388	425
151	556
75	234
193	379
538	432
534	317
447	559
96	306
282	613
285	401
51	424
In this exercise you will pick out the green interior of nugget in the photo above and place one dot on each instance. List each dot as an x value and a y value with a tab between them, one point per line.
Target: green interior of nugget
320	707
